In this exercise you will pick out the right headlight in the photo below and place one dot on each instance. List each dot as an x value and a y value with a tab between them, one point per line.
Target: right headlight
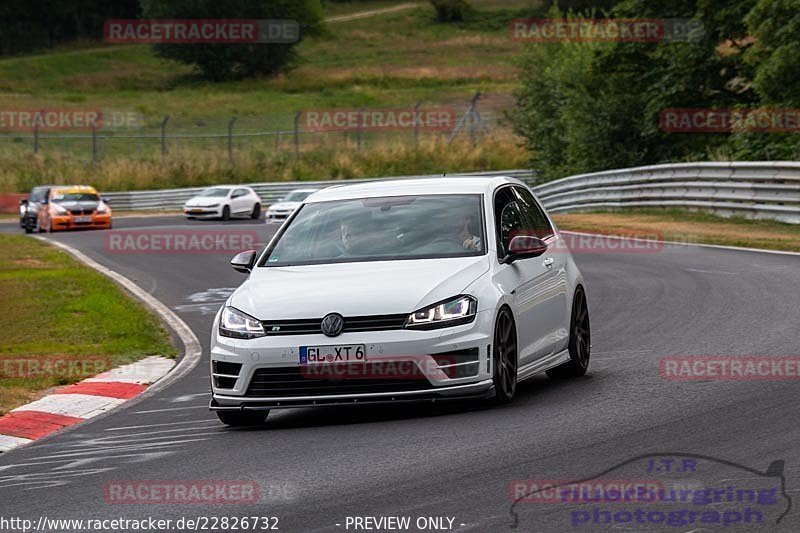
451	312
238	325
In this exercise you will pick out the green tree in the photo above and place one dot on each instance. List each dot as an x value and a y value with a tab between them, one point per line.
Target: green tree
587	106
221	61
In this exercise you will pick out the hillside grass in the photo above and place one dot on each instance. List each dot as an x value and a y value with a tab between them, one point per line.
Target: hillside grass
388	60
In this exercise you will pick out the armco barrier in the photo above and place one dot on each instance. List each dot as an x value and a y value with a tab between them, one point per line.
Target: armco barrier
270	192
752	189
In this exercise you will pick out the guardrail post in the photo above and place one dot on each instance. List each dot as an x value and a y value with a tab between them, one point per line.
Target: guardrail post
230	140
164	138
297	135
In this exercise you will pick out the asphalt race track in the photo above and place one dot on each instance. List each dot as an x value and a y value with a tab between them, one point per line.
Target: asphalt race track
315	467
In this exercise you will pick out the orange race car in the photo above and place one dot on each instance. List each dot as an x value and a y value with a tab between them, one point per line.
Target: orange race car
63	207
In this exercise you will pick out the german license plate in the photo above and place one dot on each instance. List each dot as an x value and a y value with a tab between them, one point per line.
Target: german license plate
83	220
337	353
195	210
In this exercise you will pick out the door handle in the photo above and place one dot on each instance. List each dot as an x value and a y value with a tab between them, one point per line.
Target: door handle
548	262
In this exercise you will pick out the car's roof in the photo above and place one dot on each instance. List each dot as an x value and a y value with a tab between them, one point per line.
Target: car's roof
304	190
414	186
71	189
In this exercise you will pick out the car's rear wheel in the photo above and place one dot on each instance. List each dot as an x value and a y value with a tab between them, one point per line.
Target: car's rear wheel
226	213
242	418
580	341
504	357
256	214
27	225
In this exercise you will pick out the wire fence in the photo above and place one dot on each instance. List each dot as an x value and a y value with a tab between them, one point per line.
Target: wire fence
293	133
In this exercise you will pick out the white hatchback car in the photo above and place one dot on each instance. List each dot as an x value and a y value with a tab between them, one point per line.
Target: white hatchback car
280	211
224	202
402	290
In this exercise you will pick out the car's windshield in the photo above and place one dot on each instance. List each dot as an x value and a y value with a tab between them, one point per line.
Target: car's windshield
59	196
381	229
297	196
216	192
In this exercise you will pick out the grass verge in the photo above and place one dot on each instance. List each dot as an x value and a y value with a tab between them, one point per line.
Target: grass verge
62	322
687	226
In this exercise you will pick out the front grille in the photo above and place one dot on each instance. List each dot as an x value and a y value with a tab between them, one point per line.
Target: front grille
294	381
81	211
310	326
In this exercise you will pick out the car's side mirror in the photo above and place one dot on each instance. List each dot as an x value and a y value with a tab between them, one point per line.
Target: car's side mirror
244	261
105	200
524	246
24	201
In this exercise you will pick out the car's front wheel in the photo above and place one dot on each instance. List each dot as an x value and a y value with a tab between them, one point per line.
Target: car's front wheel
504	357
242	418
226	213
580	341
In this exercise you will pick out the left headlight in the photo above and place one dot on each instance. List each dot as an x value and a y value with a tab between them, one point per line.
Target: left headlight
452	312
238	325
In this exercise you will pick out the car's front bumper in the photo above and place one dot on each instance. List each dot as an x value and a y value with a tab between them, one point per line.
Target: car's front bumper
265	356
202	211
70	222
277	216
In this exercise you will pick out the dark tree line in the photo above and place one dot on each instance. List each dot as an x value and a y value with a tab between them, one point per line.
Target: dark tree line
31	25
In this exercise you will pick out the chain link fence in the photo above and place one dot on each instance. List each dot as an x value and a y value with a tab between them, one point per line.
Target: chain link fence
291	134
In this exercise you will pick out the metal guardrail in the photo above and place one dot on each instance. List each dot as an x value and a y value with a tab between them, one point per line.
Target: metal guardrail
751	189
166	199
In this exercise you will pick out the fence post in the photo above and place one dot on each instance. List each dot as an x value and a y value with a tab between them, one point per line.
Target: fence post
164	138
297	135
36	139
94	144
416	122
358	130
473	118
230	139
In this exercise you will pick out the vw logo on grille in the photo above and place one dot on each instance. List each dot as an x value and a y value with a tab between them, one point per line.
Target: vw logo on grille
332	325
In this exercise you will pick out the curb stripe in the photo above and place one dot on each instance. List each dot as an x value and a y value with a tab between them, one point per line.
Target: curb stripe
34	424
110	389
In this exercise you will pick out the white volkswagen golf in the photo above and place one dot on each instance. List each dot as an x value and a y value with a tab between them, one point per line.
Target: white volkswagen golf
393	291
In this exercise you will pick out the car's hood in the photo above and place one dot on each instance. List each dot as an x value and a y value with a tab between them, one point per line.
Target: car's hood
203	201
354	289
285	206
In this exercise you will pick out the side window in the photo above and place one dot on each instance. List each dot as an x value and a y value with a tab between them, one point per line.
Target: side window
509	219
239	193
537	220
